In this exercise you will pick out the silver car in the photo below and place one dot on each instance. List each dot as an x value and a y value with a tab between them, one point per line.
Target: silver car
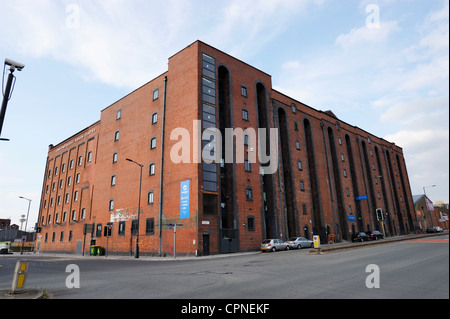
273	245
299	242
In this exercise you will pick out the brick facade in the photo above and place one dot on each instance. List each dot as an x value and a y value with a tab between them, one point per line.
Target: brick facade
324	165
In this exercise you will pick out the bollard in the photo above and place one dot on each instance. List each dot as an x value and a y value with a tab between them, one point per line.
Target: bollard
20	276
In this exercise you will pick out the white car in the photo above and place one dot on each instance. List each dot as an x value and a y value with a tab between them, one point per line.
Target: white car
273	245
299	242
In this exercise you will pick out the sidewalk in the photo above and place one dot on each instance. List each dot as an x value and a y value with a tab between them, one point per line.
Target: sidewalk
331	248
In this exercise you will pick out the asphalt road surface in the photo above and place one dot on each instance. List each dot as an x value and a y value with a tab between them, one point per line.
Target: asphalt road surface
417	269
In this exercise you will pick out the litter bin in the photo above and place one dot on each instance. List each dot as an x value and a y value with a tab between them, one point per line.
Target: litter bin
94	249
100	251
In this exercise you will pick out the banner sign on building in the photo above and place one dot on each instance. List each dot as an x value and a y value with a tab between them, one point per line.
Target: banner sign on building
184	199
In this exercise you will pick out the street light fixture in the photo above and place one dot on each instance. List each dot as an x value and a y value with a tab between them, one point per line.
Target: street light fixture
427	187
136	250
26	222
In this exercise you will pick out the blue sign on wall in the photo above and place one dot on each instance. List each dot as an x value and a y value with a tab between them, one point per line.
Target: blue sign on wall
351	218
361	197
184	199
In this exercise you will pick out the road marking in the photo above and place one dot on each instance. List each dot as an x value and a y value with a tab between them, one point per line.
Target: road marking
428	241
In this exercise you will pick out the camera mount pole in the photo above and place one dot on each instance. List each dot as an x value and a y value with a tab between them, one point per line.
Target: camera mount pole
6	97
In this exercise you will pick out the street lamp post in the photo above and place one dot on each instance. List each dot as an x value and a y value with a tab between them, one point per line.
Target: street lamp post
136	250
26	222
9	87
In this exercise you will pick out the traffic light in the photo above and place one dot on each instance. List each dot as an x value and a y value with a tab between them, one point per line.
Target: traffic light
380	214
108	230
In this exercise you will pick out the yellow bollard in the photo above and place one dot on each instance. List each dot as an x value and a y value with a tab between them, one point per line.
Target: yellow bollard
20	276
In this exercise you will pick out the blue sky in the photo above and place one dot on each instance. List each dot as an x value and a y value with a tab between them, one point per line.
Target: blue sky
385	70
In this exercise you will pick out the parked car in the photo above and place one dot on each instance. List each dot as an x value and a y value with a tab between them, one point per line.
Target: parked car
374	235
361	237
273	245
434	229
4	247
299	242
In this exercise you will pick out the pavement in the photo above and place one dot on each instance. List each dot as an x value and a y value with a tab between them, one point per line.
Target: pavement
24	294
323	249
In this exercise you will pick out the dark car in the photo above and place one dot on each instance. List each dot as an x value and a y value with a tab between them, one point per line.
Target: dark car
361	237
375	235
434	229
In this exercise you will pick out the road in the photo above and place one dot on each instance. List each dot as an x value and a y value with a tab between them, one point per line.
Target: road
417	269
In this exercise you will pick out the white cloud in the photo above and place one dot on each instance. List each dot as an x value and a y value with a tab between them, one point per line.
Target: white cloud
367	36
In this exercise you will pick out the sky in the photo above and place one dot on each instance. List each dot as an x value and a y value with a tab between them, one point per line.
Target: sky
381	65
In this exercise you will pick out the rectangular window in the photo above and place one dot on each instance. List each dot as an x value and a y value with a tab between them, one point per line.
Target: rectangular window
98	232
251	223
155	94
302	186
111	204
122	228
248	166
134	226
152	169
150	226
116	136
245	115
150	197
300	165
249	194
113	180
305	212
153	143
155	118
244	91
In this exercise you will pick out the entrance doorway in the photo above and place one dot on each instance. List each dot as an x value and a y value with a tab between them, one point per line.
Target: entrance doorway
205	244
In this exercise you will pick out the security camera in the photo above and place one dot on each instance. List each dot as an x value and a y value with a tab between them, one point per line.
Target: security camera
17	65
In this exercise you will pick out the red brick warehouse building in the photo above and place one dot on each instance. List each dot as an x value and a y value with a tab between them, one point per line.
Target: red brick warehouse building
330	177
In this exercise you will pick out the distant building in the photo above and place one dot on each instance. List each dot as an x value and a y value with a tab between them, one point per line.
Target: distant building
429	215
323	176
5	223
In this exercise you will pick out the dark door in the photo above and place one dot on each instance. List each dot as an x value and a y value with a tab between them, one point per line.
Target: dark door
205	244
